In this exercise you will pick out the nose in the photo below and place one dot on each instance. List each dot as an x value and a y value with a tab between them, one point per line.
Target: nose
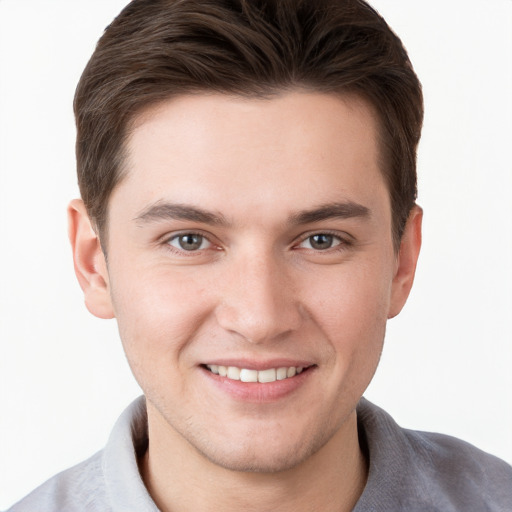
259	300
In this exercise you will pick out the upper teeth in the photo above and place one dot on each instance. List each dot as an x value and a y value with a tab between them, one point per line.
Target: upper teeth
245	375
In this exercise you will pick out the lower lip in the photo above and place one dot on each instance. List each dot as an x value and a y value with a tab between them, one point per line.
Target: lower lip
257	392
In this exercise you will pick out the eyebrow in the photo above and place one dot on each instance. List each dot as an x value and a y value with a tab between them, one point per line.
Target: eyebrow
174	211
162	210
343	210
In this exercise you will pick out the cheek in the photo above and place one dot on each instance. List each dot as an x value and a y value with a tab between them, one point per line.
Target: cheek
158	313
158	318
352	313
352	296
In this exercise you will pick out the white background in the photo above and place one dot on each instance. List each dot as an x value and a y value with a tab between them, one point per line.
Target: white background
447	364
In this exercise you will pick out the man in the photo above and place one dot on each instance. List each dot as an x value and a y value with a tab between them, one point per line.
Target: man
247	172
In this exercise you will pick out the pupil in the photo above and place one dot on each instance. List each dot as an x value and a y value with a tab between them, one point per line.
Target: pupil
321	241
190	242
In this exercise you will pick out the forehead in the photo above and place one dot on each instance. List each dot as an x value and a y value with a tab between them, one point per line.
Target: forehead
225	151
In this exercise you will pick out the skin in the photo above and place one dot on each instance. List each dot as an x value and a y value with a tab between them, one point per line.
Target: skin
257	292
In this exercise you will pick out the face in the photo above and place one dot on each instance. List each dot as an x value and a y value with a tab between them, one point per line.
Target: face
251	241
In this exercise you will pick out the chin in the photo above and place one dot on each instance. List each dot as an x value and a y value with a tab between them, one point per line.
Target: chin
262	454
257	463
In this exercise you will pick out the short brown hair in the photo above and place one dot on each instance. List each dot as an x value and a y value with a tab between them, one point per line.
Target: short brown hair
157	49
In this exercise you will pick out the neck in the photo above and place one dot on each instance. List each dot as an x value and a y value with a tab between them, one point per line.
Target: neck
179	478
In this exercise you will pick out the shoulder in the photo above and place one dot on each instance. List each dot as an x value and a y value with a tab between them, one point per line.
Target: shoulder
107	482
428	471
458	472
79	488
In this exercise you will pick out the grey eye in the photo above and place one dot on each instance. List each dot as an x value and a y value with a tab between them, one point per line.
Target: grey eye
321	242
189	242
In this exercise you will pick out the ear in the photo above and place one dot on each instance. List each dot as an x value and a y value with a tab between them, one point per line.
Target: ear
407	259
90	264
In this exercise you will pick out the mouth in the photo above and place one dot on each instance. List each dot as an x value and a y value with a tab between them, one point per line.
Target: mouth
250	375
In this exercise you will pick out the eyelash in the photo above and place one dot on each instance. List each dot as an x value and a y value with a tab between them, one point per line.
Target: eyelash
183	252
343	244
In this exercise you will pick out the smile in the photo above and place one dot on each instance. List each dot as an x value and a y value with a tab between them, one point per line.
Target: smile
262	376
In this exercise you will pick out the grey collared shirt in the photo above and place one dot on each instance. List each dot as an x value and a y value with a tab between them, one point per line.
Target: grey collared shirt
409	471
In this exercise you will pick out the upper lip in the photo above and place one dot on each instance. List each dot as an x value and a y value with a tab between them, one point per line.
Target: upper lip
252	364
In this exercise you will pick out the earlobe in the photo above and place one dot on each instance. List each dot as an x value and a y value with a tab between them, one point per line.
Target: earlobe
89	261
406	262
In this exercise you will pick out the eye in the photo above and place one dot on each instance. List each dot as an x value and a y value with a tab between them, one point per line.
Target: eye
321	242
189	242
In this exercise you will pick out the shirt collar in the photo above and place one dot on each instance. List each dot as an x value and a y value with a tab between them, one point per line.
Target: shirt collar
128	441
